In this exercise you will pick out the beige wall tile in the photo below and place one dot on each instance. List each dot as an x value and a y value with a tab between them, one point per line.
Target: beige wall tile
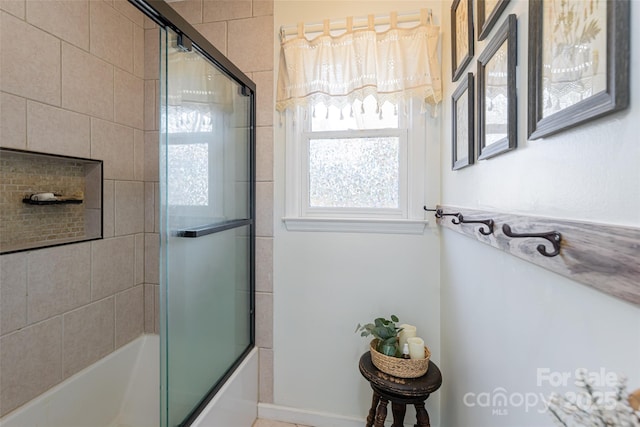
150	103
149	307
151	258
156	310
191	10
93	186
149	207
31	363
88	335
264	264
54	130
92	218
67	19
58	280
87	83
138	155
13	292
250	43
129	99
14	7
151	54
215	33
113	144
265	103
130	11
151	142
264	153
149	24
139	259
156	188
264	209
108	209
138	51
158	101
264	320
111	36
224	10
13	121
265	380
129	207
129	315
262	7
23	73
113	266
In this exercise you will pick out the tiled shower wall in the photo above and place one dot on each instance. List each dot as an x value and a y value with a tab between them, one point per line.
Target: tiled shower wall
72	83
79	78
243	31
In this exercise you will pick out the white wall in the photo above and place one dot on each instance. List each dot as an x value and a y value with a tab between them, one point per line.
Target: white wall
503	318
326	283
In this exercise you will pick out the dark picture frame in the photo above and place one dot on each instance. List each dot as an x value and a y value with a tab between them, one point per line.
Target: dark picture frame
462	145
461	37
609	90
487	18
497	103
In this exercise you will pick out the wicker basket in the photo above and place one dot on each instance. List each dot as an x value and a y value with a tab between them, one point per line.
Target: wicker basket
401	368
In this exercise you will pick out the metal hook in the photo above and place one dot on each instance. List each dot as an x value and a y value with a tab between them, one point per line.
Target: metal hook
438	211
553	236
486	222
453	220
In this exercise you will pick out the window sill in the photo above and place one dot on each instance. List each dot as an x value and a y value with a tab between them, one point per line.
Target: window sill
356	225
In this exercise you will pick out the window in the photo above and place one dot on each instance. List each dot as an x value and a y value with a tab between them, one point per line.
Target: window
359	167
352	97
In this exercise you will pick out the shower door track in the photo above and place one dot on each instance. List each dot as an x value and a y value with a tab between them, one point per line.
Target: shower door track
166	17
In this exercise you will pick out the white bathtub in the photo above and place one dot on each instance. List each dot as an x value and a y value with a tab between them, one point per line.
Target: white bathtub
122	390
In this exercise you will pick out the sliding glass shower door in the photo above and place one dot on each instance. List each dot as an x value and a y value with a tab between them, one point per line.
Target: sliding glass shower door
207	227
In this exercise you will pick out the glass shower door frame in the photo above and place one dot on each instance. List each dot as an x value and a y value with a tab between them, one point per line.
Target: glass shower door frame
190	39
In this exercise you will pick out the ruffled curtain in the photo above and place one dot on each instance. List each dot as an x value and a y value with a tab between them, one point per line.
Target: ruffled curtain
197	94
337	70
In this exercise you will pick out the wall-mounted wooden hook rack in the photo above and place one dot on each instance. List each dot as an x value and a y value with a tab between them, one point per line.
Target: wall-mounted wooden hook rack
604	256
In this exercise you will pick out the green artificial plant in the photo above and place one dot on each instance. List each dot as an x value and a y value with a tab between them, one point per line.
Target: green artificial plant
385	331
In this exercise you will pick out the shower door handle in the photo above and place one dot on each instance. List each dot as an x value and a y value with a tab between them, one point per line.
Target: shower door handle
203	230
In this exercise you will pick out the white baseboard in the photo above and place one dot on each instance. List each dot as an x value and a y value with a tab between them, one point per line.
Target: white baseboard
307	418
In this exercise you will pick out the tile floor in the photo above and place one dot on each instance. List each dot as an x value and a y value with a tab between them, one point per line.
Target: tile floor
270	423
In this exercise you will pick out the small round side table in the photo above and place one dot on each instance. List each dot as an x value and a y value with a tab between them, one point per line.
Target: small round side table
400	392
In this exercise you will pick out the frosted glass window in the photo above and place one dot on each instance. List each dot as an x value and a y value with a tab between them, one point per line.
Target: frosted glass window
354	173
188	166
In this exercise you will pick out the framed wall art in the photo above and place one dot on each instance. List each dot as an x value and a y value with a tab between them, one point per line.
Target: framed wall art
578	62
488	13
497	109
462	131
461	36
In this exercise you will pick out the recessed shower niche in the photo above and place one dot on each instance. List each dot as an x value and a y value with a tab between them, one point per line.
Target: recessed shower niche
48	200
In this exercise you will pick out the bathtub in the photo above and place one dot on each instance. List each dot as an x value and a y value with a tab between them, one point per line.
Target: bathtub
122	390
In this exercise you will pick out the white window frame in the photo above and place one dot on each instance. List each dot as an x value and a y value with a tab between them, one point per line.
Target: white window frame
408	219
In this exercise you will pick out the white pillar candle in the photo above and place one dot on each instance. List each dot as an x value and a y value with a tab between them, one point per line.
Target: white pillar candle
416	348
407	331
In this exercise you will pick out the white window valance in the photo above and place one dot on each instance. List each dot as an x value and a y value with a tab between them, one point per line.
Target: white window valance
337	70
